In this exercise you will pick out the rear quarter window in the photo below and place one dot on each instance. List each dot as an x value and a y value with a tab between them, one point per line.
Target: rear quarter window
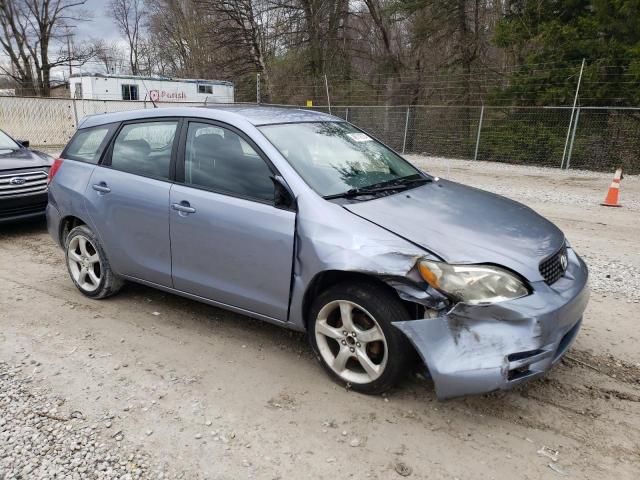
87	144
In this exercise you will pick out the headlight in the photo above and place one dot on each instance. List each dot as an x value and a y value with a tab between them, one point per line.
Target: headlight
473	284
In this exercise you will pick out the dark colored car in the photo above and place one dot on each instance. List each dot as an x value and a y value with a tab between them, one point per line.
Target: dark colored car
23	180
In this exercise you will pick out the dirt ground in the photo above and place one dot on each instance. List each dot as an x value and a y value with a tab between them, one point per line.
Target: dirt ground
213	394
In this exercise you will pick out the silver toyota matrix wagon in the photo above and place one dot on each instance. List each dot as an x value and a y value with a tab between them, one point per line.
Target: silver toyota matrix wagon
301	219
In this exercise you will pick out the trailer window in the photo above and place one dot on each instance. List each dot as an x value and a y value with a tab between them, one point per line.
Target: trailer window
129	92
208	89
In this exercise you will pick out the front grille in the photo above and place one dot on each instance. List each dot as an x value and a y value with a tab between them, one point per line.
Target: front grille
24	183
554	267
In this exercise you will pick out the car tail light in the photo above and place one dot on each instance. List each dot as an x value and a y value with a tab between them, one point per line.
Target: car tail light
57	163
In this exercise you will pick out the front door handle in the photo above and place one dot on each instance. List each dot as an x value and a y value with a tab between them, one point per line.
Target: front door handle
101	187
183	207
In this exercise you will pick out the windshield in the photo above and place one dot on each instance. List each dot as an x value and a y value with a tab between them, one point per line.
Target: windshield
335	157
6	143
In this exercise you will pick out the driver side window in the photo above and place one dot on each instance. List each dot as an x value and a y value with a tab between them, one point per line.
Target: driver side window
220	160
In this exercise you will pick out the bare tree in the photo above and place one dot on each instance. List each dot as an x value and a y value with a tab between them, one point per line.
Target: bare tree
314	28
14	40
30	29
129	16
110	55
372	50
239	34
179	39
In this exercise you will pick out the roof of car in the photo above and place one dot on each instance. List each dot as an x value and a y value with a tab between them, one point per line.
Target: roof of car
254	114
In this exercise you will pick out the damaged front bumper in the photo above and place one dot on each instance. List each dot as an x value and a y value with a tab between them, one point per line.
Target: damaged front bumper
476	349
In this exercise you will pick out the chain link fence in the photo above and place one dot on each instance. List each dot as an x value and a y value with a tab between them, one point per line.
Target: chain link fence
596	138
593	138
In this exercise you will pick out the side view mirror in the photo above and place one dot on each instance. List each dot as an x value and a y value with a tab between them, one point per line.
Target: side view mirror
24	143
283	196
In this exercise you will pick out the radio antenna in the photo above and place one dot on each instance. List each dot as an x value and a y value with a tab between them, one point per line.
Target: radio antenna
148	93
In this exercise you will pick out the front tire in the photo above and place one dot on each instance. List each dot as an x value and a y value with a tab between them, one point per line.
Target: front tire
351	334
88	266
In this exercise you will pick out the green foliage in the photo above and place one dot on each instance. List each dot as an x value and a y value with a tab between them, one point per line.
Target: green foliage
605	139
523	136
553	36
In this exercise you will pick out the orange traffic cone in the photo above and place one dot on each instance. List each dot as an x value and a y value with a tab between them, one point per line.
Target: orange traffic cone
611	200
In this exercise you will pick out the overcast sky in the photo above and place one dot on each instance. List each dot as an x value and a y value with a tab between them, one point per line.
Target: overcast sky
101	26
98	26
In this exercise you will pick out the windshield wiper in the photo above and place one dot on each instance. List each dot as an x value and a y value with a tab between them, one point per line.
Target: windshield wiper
358	192
397	184
410	180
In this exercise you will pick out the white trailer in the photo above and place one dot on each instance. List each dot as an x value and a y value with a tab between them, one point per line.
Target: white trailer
95	86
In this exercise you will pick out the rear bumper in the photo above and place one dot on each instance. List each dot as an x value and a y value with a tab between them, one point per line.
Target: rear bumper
479	349
22	207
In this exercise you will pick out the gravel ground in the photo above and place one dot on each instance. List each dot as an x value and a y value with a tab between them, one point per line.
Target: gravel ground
42	437
613	278
493	176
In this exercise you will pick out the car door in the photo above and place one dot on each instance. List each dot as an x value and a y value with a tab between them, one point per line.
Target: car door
128	199
229	242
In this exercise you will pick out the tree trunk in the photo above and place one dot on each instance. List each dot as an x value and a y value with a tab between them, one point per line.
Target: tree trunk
45	68
258	55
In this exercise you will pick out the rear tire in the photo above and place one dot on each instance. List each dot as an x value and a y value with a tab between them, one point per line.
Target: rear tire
352	336
88	266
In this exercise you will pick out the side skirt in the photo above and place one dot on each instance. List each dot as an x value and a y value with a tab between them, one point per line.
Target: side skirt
224	306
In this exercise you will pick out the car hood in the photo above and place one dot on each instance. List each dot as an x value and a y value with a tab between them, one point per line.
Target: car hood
23	158
462	224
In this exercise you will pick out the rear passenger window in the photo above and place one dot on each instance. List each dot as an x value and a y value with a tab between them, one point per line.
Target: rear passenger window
144	149
86	145
218	159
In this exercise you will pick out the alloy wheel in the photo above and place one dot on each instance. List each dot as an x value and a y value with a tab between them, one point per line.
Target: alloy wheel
84	263
351	342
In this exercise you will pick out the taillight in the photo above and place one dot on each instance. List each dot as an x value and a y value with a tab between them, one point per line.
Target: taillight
57	163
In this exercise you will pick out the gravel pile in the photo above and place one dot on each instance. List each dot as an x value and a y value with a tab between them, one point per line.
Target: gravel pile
41	438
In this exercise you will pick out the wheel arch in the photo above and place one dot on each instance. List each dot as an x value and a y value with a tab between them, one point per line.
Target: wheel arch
67	224
323	280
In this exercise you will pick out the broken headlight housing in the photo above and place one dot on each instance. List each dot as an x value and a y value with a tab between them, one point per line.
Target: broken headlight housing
472	284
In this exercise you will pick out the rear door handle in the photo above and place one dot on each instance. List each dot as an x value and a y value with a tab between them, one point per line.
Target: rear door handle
183	207
101	187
